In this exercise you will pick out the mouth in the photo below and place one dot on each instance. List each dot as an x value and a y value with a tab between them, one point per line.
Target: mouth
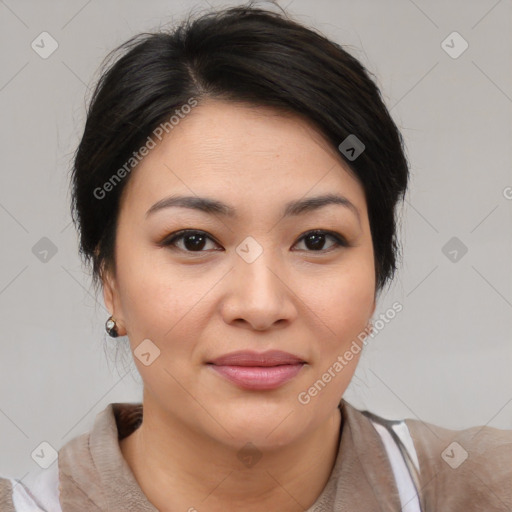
258	371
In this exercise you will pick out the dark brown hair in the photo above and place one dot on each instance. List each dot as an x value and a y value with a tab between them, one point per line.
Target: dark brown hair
243	54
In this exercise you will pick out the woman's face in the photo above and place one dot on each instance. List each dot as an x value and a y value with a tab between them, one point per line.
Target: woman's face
254	280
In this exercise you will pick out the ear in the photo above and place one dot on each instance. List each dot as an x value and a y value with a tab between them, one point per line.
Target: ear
374	307
108	292
370	324
112	300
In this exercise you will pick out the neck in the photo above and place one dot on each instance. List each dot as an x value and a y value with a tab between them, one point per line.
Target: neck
181	469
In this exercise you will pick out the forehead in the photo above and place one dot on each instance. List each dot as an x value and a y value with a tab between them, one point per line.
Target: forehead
233	151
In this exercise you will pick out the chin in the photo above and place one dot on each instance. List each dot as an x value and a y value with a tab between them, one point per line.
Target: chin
269	424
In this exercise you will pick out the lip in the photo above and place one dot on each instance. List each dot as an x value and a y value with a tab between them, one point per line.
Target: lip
251	358
258	370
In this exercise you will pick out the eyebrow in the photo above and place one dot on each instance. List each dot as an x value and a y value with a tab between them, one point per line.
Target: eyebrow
213	206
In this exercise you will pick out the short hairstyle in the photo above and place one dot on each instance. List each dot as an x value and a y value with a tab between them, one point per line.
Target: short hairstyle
241	54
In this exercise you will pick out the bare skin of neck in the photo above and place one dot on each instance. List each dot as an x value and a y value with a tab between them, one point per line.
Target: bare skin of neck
174	473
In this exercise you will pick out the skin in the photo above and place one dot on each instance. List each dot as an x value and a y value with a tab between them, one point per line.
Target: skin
197	305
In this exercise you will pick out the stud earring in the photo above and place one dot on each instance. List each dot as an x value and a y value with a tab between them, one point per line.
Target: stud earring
111	328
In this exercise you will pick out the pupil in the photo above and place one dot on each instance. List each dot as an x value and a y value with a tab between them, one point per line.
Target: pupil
318	241
198	242
314	241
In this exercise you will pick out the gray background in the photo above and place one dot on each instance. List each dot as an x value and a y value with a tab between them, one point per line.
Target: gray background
444	359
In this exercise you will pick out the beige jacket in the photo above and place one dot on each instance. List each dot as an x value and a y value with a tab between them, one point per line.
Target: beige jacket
459	471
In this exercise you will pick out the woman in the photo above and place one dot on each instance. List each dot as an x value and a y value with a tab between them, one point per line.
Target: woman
235	191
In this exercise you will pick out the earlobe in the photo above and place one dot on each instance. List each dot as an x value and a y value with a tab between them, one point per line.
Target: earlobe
111	299
114	323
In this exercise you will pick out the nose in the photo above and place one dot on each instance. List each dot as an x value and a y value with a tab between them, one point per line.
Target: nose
259	295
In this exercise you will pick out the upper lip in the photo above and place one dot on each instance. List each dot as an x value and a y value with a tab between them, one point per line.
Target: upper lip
250	358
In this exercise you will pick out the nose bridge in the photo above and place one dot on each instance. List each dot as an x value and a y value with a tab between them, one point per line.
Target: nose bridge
257	265
259	295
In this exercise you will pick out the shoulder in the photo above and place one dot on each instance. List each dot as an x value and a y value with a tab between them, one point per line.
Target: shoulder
15	497
6	504
469	469
41	494
464	469
75	474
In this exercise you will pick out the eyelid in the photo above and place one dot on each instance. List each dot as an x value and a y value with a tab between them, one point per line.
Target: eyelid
170	238
340	240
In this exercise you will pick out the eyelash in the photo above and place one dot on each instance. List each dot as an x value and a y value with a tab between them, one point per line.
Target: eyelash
171	239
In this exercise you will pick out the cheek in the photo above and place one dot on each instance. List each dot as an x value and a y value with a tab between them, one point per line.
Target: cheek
145	282
155	308
345	307
347	298
162	304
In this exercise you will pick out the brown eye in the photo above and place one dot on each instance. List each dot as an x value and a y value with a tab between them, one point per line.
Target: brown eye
192	241
188	240
315	240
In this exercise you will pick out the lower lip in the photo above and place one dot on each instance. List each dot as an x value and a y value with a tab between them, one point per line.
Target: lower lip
259	377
